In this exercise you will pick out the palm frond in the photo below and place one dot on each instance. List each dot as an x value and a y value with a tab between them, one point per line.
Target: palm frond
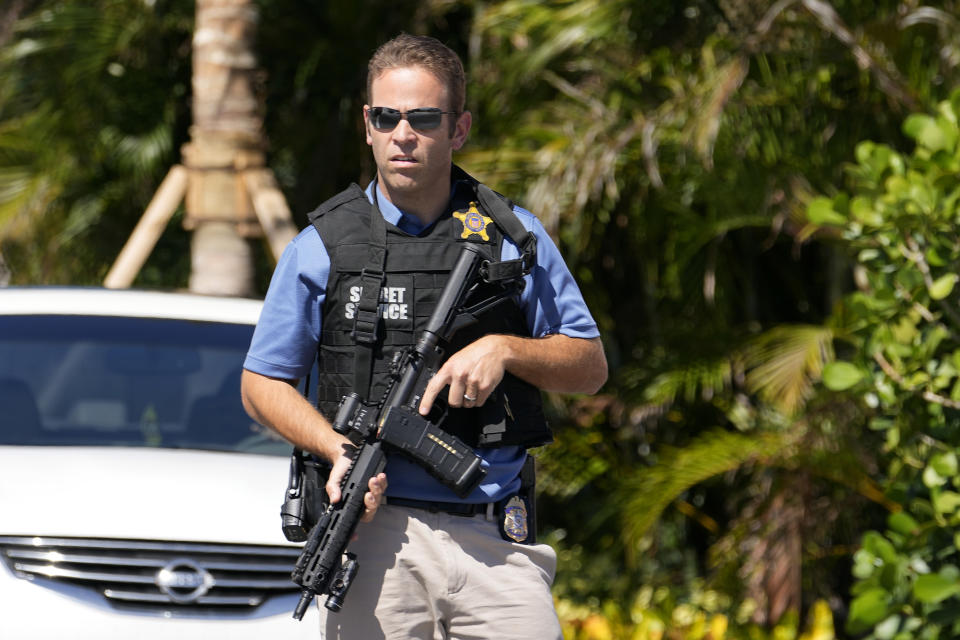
22	195
141	153
784	363
699	379
642	497
571	463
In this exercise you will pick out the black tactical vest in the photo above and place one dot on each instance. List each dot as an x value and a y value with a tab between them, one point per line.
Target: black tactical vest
414	272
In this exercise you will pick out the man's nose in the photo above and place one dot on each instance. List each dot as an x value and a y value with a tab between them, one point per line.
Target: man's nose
403	131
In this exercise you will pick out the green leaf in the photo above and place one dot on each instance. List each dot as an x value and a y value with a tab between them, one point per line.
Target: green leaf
880	547
867	609
934	259
875	158
945	463
893	438
887	629
933	479
897	186
943	286
862	210
950	108
916	124
955	391
934	587
864	564
864	151
903	524
946	502
820	211
838	376
934	134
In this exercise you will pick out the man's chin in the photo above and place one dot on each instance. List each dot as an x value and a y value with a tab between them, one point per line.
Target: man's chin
404	181
410	180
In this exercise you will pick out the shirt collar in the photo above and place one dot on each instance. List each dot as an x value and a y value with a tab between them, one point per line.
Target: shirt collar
460	195
388	210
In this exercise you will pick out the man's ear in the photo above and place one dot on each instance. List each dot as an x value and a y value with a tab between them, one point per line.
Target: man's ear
461	130
366	123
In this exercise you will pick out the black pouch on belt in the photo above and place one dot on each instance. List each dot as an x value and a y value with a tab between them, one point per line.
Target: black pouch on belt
306	495
517	515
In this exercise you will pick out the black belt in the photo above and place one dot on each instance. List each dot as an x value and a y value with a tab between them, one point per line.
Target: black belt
464	509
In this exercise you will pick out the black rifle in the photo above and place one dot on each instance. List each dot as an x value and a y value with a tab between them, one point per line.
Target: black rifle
324	565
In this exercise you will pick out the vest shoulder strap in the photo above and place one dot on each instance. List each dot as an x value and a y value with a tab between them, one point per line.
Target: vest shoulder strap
501	210
366	321
353	192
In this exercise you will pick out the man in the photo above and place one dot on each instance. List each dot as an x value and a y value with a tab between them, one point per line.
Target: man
431	565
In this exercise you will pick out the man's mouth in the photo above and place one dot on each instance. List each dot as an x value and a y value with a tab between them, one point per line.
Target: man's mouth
403	159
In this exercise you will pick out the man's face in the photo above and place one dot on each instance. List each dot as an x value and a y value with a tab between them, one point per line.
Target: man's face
413	163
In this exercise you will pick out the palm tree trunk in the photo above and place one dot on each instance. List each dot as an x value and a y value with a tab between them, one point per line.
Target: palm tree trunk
772	567
225	139
782	580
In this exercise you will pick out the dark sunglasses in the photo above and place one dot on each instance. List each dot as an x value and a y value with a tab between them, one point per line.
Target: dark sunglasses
422	119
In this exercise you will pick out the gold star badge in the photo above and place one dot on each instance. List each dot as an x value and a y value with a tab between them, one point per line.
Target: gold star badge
474	223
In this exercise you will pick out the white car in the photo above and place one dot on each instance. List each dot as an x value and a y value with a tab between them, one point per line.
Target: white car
137	499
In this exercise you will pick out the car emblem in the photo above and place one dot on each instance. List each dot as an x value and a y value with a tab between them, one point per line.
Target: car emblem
183	581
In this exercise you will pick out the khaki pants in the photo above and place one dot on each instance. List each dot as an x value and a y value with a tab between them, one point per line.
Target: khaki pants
436	576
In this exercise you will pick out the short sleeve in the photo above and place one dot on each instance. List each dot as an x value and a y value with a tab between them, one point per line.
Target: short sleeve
551	300
285	341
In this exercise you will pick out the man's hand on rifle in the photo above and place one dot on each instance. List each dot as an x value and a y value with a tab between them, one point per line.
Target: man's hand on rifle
552	363
377	486
472	373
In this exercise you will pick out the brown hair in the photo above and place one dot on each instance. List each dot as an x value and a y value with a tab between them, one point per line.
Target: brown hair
427	53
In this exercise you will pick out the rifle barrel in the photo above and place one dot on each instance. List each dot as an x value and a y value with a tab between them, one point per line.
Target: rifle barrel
461	279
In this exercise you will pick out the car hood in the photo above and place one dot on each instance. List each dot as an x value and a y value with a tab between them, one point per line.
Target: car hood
139	493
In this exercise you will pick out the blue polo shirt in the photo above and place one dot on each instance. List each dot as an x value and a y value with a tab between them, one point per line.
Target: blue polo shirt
286	338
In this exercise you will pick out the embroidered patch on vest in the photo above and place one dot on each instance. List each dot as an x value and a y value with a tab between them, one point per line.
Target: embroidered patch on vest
395	305
473	223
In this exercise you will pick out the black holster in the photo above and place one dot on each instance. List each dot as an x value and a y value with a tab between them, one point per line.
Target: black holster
306	495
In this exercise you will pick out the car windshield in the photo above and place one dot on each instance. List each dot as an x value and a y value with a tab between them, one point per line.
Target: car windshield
121	381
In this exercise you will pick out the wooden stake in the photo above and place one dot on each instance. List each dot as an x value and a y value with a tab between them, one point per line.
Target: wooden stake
149	229
271	209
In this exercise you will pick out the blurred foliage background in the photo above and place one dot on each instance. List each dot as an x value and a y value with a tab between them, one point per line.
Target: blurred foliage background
759	200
